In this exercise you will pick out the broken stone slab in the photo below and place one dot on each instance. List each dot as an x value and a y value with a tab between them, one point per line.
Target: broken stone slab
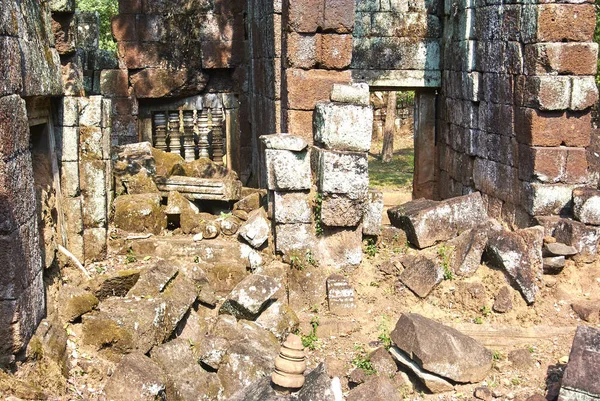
255	231
441	350
140	213
140	183
137	377
130	159
154	280
284	142
379	388
340	295
250	296
287	170
204	168
434	383
292	207
427	222
342	172
339	210
178	204
195	188
583	237
467	250
345	127
279	319
211	350
382	362
519	254
587	310
73	302
580	380
421	274
115	284
503	300
373	213
586	205
249	202
559	249
189	381
554	264
317	386
357	93
260	390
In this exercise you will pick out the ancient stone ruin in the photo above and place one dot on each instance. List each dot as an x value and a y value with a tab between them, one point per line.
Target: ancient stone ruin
193	216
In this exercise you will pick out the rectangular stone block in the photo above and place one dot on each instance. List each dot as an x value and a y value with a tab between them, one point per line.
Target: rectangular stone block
67	143
294	237
373	213
74	223
63	28
302	50
357	93
334	51
343	126
299	123
14	129
584	93
586	205
340	295
69	179
497	179
553	165
306	88
114	83
287	170
564	23
90	111
10	66
93	190
583	367
17	196
561	58
544	92
342	173
306	16
583	237
292	207
95	244
547	199
341	210
338	16
548	128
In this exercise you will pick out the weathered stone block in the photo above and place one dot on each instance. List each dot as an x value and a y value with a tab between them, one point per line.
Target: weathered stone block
342	173
547	199
373	212
552	165
561	58
341	210
292	207
334	51
294	237
114	83
339	16
307	88
95	244
343	126
427	222
339	247
340	295
158	82
306	16
17	196
14	130
287	170
62	6
63	28
69	179
256	229
284	142
584	93
139	377
583	238
140	213
564	23
357	93
90	109
10	67
250	296
93	189
546	128
579	379
421	274
302	50
544	92
586	205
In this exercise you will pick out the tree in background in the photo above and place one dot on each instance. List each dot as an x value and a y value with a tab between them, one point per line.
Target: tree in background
106	9
387	152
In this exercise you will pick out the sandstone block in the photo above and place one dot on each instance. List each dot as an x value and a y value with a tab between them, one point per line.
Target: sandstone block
159	82
503	300
435	384
341	210
294	237
427	222
302	50
13	126
554	265
67	143
583	367
334	51
137	377
307	88
306	16
140	213
421	274
441	350
584	93
280	319
90	109
561	58
564	23
553	164
586	205
342	173
114	83
544	92
547	199
339	247
287	170
339	16
95	244
343	126
250	296
357	93
256	229
373	213
284	142
583	238
292	207
543	128
467	250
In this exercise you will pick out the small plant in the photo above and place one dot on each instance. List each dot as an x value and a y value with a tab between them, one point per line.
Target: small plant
130	257
100	269
478	320
515	381
196	259
309	258
311	340
224	216
496	356
531	349
374	284
362	360
444	254
486	311
317	207
371	248
384	332
296	262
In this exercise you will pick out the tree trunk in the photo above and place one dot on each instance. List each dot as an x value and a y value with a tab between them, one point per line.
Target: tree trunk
388	131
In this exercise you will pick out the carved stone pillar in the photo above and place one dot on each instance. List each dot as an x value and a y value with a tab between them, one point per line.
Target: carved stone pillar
174	134
217	135
188	135
160	131
203	130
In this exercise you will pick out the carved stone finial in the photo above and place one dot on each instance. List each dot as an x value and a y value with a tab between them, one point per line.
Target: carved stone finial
290	364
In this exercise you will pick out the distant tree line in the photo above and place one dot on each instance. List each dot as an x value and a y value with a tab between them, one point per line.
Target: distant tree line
106	9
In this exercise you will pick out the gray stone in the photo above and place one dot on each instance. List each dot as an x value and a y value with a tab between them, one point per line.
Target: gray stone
546	199
580	380
294	237
420	274
467	250
587	310
583	238
279	319
434	383
68	111
441	350
483	393
503	301
343	126
586	205
260	390
340	295
317	386
74	302
287	170
342	173
383	363
249	202
284	142
130	159
292	207
341	210
554	265
380	388
154	280
67	143
90	111
357	93
211	350
427	222
256	229
339	247
559	249
137	377
373	213
62	6
250	296
519	254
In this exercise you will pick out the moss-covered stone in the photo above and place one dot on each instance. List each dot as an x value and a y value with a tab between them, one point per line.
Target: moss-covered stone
114	285
140	213
140	183
203	168
75	302
166	162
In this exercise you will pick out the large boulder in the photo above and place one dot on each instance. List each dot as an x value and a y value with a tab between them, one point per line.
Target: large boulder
138	378
250	296
519	254
441	350
140	213
427	222
580	380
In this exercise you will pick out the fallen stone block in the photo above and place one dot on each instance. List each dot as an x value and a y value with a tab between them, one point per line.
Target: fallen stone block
279	319
427	222
434	383
373	213
584	238
441	350
420	274
382	362
317	386
340	295
130	159
580	380
586	205
519	254
284	142
379	388
74	302
140	213
154	280
467	250
211	350
554	264
250	296
137	377
166	162
343	126
115	284
587	310
255	231
204	168
503	300
220	189
140	183
559	249
178	204
260	390
248	203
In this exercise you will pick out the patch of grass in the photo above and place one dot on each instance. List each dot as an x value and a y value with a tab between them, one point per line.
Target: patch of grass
486	311
362	361
384	332
317	208
444	252
496	355
397	173
131	257
478	320
311	340
371	248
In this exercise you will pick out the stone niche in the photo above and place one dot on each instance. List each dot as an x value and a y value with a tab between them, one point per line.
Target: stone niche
194	127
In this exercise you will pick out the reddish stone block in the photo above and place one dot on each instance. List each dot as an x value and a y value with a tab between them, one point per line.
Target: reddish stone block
158	82
339	16
306	16
551	128
143	55
300	123
566	22
151	28
122	106
544	92
561	58
222	54
306	88
114	83
302	50
576	171
335	51
130	6
63	29
541	163
124	27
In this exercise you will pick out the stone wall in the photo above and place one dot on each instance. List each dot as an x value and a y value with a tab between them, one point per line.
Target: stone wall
30	67
514	118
